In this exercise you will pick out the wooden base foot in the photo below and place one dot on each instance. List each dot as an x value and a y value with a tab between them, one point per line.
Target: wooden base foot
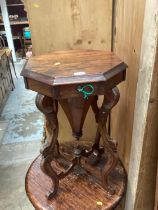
82	188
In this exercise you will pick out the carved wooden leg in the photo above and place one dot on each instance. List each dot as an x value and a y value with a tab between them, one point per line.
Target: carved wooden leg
96	151
49	108
111	98
95	107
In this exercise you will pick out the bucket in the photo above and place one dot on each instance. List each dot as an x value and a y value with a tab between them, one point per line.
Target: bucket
27	33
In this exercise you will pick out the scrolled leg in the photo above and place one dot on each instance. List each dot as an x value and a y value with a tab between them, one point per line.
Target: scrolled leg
111	98
95	153
49	107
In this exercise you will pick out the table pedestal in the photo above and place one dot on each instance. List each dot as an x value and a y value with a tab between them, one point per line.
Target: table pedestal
76	110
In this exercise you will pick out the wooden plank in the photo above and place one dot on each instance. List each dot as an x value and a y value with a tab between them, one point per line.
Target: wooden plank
127	43
156	194
14	5
16	23
143	160
71	24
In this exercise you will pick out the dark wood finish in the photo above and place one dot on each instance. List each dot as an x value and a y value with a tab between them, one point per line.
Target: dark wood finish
54	74
61	67
76	110
74	79
6	80
111	98
77	191
49	107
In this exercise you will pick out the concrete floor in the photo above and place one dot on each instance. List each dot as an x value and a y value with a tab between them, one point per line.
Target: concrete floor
24	122
14	162
20	134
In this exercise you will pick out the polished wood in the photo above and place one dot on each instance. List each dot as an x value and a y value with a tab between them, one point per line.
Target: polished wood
61	67
49	107
74	79
79	190
58	74
76	110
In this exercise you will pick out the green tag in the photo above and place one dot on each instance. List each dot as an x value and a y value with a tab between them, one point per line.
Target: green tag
86	93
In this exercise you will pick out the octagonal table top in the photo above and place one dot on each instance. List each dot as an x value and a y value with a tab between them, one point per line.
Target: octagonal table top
73	66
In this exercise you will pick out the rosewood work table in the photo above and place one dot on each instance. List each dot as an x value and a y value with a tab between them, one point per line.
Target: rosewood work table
90	173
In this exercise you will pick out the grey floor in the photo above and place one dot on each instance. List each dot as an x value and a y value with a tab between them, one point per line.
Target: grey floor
20	114
20	134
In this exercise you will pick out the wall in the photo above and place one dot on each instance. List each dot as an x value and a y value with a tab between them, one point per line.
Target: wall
129	16
60	24
143	161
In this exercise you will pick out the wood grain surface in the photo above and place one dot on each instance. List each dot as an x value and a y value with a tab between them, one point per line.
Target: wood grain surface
58	74
81	191
129	17
144	150
70	24
73	66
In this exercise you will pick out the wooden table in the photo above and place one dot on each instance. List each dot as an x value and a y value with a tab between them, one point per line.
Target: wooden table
74	79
